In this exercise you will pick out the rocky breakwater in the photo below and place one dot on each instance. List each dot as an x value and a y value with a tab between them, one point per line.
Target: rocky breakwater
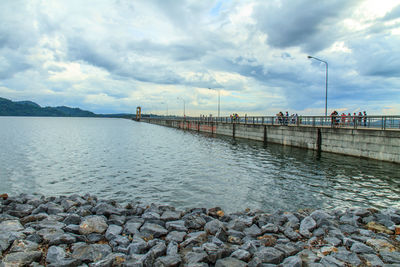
86	231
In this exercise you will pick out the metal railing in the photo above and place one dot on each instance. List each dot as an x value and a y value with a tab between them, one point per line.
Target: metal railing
355	122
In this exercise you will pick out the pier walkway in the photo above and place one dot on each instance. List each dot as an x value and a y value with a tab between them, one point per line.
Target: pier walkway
374	137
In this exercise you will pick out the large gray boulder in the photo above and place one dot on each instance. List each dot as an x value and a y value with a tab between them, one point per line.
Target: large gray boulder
93	224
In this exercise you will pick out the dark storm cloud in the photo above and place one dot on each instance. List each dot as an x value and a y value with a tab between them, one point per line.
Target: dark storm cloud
380	56
308	24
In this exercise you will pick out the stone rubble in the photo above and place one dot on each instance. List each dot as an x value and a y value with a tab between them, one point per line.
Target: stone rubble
82	230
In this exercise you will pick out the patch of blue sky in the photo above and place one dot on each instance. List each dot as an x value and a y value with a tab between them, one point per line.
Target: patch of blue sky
217	8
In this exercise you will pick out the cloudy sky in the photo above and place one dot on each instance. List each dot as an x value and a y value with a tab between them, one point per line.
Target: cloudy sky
111	56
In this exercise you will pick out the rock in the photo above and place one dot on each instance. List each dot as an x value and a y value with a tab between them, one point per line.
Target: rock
222	235
175	236
195	257
269	228
321	217
378	228
252	231
326	250
331	261
194	222
234	240
93	224
72	228
91	253
119	240
106	209
154	229
292	235
307	225
22	258
358	247
95	237
293	261
21	210
333	241
138	246
308	257
213	226
33	237
48	234
132	227
348	229
194	239
176	225
113	231
172	248
168	261
170	215
288	249
23	246
159	249
267	240
348	257
380	245
150	216
242	255
72	219
230	262
292	221
349	219
11	226
250	246
116	219
61	239
237	224
269	255
53	208
390	257
113	259
55	254
372	260
34	218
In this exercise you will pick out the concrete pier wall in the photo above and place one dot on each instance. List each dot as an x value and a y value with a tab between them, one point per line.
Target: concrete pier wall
367	143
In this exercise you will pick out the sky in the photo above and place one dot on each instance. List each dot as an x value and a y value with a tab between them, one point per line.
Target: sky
171	56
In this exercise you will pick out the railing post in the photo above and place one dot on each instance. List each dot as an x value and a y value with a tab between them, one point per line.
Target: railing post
262	121
313	121
384	125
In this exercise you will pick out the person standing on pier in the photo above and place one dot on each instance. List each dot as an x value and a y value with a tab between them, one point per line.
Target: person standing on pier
365	118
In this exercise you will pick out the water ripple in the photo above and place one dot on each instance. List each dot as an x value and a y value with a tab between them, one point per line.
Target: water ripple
128	161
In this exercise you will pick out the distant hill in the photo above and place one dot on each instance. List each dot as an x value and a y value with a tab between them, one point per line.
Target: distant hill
29	108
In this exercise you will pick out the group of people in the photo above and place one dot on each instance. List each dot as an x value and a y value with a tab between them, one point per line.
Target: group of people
234	117
343	119
285	119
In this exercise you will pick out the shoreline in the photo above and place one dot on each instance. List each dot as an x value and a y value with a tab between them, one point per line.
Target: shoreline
83	230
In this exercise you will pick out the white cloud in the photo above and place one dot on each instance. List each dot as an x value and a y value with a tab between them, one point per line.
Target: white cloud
112	56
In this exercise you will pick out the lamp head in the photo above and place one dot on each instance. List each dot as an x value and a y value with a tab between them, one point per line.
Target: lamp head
309	56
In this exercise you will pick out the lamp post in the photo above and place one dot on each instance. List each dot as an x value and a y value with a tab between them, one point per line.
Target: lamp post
326	83
184	106
219	97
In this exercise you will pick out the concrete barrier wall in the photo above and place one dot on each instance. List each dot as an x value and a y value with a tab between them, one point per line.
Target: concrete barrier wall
367	143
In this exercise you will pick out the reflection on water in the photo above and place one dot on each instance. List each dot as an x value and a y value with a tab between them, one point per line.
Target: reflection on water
126	160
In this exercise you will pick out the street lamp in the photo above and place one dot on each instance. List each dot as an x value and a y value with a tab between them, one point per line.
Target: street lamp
326	83
219	97
184	106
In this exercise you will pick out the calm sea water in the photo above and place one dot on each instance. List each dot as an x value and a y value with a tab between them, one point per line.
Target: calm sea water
131	161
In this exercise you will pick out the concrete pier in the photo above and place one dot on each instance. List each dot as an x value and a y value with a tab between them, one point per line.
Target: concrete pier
367	143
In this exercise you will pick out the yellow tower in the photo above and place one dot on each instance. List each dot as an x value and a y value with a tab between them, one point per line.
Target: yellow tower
138	113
